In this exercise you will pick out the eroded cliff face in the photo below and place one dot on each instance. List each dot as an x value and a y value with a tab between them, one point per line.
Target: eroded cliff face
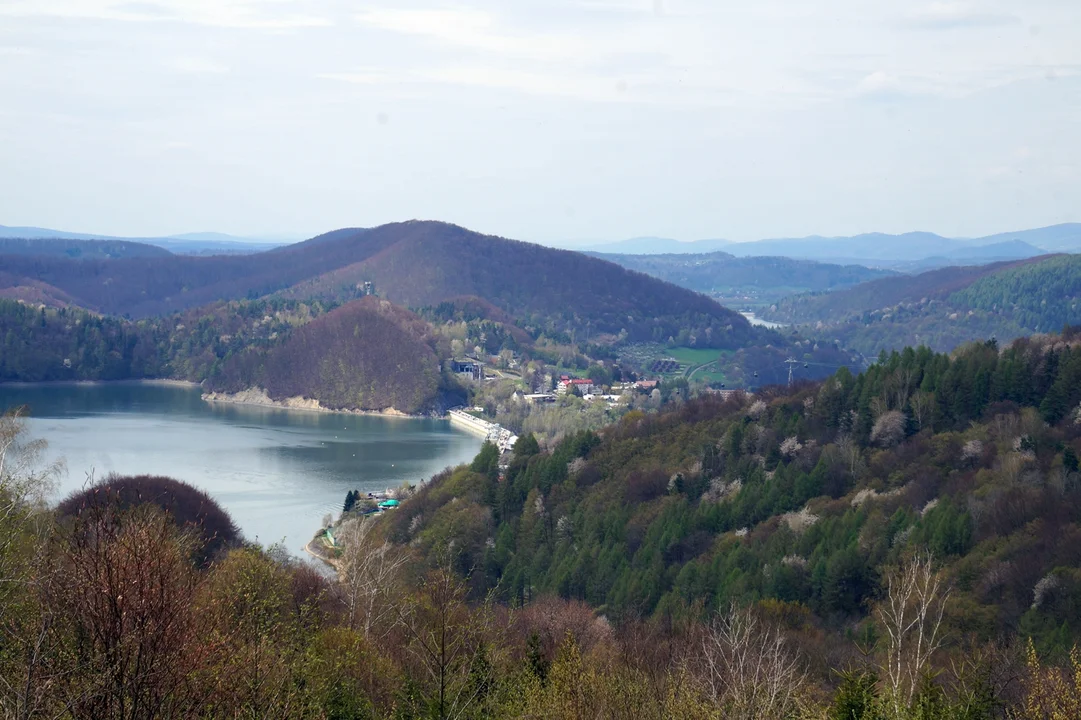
259	396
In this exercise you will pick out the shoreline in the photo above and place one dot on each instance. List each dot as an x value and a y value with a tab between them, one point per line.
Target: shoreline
160	382
322	558
257	397
253	397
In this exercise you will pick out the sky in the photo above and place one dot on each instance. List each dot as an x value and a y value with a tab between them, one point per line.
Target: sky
556	121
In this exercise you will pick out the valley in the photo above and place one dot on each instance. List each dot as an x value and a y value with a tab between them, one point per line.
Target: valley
586	360
643	463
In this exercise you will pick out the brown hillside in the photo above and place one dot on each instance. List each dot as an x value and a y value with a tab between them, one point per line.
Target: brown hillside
414	264
432	262
365	355
33	292
146	286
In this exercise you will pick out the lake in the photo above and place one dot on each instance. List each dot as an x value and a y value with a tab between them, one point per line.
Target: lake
277	472
755	320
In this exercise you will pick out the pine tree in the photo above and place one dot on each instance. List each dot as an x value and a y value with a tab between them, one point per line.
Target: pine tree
350	500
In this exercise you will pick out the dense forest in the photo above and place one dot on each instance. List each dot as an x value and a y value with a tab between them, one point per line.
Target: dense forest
365	355
902	543
944	308
48	344
746	281
972	456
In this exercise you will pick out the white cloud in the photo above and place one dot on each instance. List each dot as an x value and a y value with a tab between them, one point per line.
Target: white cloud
681	117
250	14
475	30
192	65
959	15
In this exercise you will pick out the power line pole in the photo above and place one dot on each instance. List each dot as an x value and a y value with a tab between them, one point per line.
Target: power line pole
791	362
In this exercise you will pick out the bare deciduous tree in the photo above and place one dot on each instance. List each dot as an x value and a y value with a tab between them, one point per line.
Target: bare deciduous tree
26	678
370	570
448	641
25	481
921	404
911	618
748	668
125	585
850	452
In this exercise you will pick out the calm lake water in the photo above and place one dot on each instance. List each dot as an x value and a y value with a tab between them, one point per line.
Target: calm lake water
277	472
755	320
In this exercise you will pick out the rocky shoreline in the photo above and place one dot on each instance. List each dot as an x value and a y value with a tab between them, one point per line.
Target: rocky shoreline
258	397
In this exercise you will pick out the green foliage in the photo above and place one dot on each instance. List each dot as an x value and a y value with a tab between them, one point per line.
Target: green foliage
857	698
526	447
1041	296
945	308
366	355
786	497
487	460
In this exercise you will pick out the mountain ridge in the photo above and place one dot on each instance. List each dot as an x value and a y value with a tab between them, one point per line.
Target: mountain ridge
414	264
906	247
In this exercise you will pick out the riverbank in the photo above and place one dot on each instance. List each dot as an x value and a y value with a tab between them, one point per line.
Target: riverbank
258	397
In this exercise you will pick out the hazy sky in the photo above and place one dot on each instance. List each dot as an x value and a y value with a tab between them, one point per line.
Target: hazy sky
545	120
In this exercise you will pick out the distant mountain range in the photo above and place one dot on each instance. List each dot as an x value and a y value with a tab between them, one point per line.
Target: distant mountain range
561	304
908	251
414	264
200	243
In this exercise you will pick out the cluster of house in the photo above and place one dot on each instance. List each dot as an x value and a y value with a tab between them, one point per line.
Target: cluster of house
587	389
585	386
566	384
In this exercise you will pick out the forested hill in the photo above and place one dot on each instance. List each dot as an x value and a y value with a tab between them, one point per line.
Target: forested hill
803	498
557	290
365	355
944	308
754	279
80	249
413	264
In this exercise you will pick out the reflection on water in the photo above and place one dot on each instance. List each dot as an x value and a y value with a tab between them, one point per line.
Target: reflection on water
276	471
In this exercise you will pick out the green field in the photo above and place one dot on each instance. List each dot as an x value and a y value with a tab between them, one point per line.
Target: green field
697	363
693	356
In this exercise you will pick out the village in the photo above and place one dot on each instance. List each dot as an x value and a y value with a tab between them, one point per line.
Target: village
510	401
